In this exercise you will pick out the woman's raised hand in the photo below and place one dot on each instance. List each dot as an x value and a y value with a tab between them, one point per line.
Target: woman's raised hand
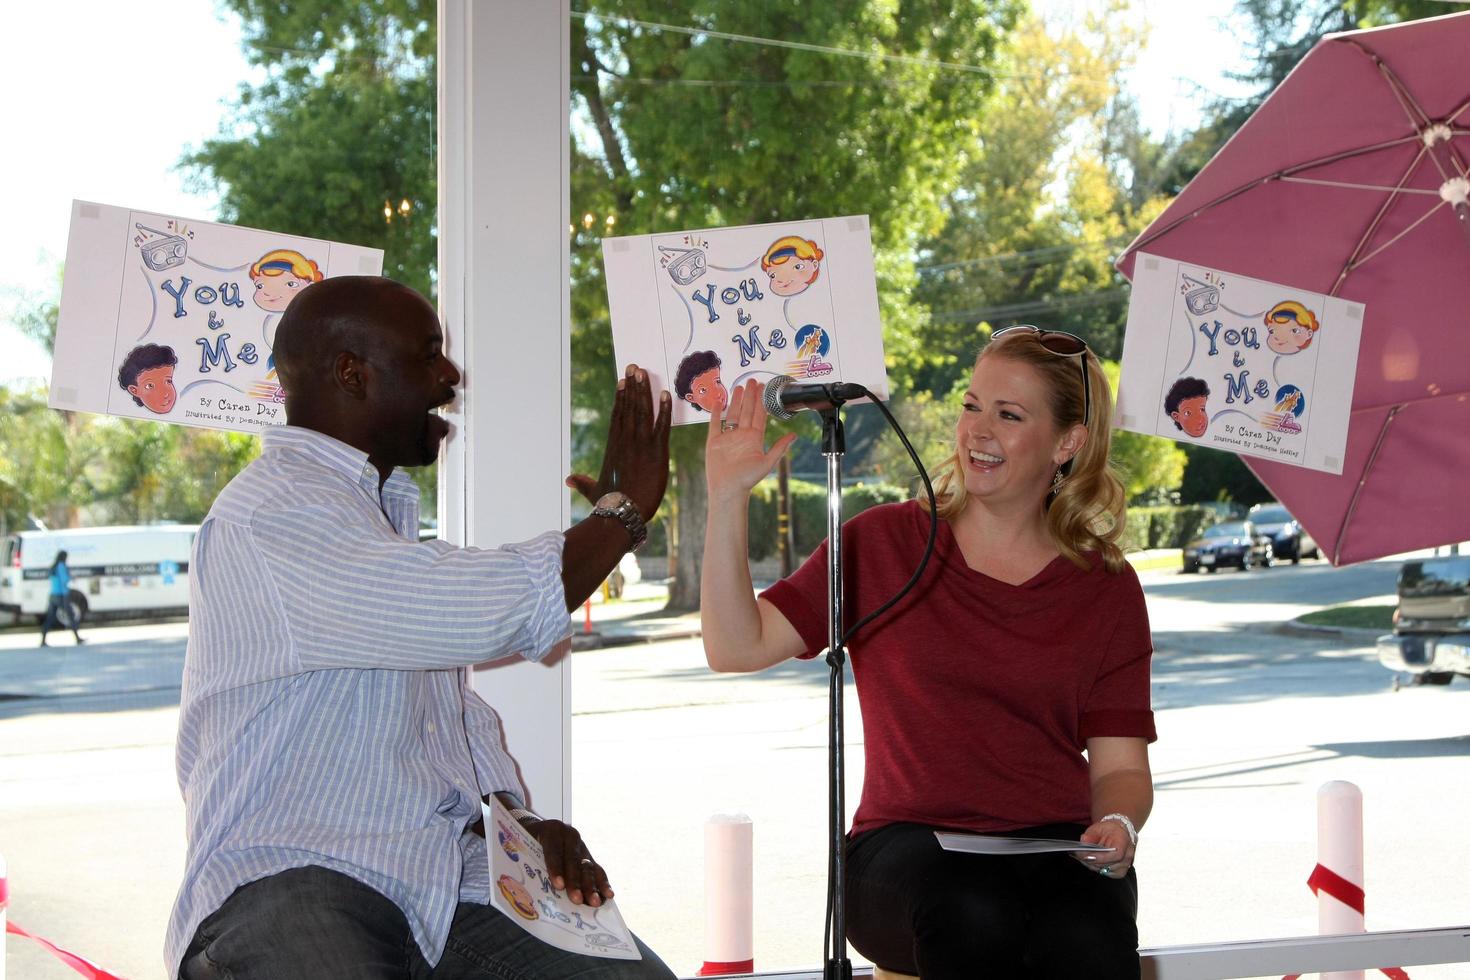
735	453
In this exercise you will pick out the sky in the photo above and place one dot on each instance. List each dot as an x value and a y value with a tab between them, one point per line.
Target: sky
127	91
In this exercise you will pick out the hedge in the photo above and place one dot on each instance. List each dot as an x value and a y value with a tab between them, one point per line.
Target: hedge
1165	527
1146	528
809	512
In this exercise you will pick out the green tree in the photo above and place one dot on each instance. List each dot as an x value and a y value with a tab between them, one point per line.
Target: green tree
47	459
340	132
1150	466
722	112
35	314
782	112
1047	197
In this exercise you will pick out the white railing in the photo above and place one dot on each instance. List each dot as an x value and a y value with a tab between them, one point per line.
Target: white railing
1269	957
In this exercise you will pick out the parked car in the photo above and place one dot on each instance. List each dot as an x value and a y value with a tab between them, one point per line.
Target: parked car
1288	538
1431	633
1238	543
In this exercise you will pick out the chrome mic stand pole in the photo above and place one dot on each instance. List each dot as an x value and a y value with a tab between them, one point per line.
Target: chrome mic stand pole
836	965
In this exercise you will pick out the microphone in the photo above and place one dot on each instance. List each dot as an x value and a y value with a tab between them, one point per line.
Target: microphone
785	396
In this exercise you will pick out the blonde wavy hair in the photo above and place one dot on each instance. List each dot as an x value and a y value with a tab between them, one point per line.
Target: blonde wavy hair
1085	513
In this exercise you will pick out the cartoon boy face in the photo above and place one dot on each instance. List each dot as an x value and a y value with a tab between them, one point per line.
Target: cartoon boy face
792	276
275	293
1192	416
155	388
1285	336
707	391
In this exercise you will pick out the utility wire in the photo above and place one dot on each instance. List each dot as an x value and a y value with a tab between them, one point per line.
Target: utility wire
804	46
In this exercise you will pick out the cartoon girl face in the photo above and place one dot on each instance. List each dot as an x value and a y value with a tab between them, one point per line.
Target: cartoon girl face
1192	416
790	278
275	293
792	263
1289	327
155	389
707	391
1286	336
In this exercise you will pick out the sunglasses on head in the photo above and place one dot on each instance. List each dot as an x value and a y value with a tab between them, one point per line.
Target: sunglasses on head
1063	345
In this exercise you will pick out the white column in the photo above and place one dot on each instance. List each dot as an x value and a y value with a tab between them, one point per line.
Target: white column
503	291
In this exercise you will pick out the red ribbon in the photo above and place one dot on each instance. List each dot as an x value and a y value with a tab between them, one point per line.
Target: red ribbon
1326	880
83	966
1329	881
722	969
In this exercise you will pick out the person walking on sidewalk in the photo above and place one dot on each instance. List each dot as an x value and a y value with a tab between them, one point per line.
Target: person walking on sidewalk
58	610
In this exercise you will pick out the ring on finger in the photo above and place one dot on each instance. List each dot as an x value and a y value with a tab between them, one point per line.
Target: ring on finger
1105	872
587	861
727	425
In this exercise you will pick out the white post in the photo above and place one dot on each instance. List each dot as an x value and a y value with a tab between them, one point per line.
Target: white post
504	289
729	901
1340	852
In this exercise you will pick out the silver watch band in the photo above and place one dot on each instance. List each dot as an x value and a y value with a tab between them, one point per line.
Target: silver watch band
621	507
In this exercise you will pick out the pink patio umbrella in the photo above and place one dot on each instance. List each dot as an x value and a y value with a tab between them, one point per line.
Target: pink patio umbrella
1351	180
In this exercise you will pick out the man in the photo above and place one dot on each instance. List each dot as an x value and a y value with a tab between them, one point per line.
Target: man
331	754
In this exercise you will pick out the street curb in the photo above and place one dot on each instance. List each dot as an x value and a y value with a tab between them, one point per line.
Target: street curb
1295	627
598	641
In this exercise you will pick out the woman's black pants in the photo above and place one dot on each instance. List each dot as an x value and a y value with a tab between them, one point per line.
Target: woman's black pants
913	907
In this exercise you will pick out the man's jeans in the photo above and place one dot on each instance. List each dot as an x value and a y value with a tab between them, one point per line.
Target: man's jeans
319	924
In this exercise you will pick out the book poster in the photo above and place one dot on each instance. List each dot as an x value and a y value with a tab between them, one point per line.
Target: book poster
172	319
703	311
1243	365
520	887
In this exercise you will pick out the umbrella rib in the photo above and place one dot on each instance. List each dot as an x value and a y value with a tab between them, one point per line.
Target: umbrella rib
1360	187
1416	224
1259	181
1352	262
1405	402
1417	116
1362	482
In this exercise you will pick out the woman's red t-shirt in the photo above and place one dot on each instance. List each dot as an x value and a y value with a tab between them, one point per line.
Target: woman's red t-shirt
977	697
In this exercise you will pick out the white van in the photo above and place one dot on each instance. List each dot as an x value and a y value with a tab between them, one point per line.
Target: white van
115	570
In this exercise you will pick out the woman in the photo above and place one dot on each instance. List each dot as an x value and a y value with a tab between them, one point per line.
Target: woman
1008	693
58	610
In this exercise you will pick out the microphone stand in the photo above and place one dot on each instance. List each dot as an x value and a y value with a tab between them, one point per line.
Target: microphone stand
836	965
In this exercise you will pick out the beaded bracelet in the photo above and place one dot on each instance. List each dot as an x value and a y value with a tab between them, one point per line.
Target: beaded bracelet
1127	825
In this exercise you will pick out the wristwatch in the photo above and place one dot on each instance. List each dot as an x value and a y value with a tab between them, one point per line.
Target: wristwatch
620	506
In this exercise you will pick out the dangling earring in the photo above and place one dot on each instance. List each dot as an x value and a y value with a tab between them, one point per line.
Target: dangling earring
1056	480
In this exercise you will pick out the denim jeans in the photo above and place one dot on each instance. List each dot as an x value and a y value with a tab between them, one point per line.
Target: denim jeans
58	615
319	924
914	907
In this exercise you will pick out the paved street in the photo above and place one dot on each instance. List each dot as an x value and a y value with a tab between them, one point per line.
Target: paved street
1251	719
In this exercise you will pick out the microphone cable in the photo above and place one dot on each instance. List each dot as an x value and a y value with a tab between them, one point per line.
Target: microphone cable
933	528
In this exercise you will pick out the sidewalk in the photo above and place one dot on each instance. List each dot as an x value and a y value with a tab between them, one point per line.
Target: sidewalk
130	659
637	617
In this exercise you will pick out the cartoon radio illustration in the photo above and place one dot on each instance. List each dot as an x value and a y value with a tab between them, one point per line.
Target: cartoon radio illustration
684	264
1201	299
162	252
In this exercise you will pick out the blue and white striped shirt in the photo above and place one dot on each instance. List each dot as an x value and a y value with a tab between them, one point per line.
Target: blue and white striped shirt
325	718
